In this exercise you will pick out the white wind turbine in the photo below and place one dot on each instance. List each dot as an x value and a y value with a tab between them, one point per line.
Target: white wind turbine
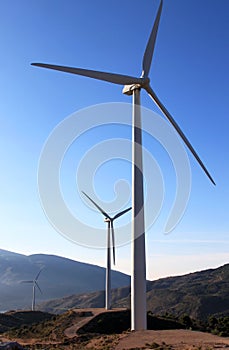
35	285
133	86
110	234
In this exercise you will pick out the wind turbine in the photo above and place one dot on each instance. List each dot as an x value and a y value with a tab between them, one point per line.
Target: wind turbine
35	284
133	86
110	233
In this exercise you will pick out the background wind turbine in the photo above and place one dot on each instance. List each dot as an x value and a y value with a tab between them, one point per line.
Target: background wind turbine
110	234
35	284
133	85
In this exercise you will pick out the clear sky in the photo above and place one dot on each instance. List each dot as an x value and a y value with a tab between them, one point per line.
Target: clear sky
190	74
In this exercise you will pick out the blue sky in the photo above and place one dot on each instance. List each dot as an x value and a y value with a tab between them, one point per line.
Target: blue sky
190	74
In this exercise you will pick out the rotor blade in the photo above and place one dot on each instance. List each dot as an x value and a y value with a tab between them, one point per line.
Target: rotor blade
113	240
110	77
180	132
147	59
97	206
36	278
26	282
38	287
121	213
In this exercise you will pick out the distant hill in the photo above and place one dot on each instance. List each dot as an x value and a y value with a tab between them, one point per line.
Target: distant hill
198	295
60	277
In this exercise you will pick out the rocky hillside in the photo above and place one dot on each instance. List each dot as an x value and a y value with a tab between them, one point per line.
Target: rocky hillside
198	294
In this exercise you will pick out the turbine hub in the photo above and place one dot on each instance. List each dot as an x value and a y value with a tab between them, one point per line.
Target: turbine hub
107	220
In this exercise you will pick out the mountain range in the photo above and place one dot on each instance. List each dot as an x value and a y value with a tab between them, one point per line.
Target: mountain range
60	277
198	295
68	284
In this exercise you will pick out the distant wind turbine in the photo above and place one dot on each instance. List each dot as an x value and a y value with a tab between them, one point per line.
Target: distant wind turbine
35	284
110	233
133	85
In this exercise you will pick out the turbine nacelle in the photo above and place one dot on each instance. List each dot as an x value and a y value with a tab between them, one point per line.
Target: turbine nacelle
128	89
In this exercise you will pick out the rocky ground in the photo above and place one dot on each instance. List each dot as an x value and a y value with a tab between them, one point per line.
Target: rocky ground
172	340
86	328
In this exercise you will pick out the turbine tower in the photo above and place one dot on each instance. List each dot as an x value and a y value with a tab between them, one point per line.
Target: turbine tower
110	233
133	86
35	284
